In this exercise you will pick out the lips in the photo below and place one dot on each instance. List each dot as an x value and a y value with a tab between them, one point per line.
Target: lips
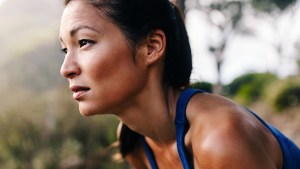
79	91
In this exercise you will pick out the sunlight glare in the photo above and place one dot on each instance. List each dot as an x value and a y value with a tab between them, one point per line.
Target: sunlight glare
1	2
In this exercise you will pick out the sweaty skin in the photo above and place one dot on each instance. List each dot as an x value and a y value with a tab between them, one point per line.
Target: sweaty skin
223	136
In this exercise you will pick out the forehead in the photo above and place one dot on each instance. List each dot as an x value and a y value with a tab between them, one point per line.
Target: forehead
80	13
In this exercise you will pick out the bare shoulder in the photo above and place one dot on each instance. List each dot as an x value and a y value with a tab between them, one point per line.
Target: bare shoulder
223	134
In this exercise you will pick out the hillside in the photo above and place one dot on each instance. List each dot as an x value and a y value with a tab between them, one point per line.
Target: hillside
29	44
27	24
30	52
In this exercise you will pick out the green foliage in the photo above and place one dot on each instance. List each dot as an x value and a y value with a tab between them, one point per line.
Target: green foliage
250	87
282	94
49	133
288	97
208	87
19	141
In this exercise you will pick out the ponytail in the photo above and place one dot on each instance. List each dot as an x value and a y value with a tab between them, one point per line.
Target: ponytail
128	140
178	61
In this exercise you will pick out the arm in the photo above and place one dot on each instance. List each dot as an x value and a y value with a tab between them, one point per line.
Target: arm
226	136
221	149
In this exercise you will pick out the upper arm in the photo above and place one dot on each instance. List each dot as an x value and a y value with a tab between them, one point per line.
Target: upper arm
224	136
220	150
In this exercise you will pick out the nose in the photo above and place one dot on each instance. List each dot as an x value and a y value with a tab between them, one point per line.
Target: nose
69	69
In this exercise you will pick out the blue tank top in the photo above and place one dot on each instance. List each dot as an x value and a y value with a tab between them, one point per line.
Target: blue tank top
290	152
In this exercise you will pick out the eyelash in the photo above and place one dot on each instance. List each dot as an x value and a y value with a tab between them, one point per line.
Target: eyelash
81	43
64	50
84	42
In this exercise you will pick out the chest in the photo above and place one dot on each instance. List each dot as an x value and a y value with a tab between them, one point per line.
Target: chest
168	161
168	158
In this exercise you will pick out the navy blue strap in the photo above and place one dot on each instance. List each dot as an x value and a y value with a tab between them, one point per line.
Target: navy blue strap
181	124
149	153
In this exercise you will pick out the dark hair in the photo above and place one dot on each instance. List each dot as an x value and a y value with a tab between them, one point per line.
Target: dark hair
138	18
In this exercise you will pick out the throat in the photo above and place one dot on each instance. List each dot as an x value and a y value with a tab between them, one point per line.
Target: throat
160	134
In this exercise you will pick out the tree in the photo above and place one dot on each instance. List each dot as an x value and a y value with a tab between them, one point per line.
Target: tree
274	11
227	17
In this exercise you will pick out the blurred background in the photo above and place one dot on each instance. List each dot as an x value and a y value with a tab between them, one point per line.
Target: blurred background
247	50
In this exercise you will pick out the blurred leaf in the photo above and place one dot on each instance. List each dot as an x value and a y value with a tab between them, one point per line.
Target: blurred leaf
288	97
249	87
208	87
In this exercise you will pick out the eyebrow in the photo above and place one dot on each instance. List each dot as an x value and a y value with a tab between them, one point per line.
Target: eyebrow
75	30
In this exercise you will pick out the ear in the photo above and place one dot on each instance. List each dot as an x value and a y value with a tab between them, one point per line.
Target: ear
155	46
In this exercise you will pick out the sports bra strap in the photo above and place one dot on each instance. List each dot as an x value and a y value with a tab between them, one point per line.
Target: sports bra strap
149	153
182	124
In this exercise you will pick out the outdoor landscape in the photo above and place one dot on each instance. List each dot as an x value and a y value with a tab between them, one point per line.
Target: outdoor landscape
40	125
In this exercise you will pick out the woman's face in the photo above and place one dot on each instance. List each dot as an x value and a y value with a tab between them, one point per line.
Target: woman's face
99	64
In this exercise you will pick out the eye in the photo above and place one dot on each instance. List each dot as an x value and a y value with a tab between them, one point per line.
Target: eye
84	42
64	50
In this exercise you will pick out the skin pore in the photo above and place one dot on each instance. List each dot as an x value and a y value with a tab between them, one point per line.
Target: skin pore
107	77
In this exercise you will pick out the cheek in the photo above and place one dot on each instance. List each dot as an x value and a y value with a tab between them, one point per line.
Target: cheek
113	86
115	72
113	61
114	78
110	67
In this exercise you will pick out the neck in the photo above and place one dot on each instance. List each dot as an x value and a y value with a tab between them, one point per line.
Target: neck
152	114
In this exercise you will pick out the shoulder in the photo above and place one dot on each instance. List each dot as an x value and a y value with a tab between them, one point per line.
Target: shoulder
206	110
224	135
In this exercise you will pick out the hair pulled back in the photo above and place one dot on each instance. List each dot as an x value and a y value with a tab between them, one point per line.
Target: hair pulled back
137	19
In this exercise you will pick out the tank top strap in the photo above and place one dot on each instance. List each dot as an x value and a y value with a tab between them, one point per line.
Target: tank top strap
182	124
149	153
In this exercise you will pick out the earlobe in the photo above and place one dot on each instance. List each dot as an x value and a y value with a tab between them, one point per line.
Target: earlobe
156	45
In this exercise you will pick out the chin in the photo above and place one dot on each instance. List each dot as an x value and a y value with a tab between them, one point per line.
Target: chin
86	111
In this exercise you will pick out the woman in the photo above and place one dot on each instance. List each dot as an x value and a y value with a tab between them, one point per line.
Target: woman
132	59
